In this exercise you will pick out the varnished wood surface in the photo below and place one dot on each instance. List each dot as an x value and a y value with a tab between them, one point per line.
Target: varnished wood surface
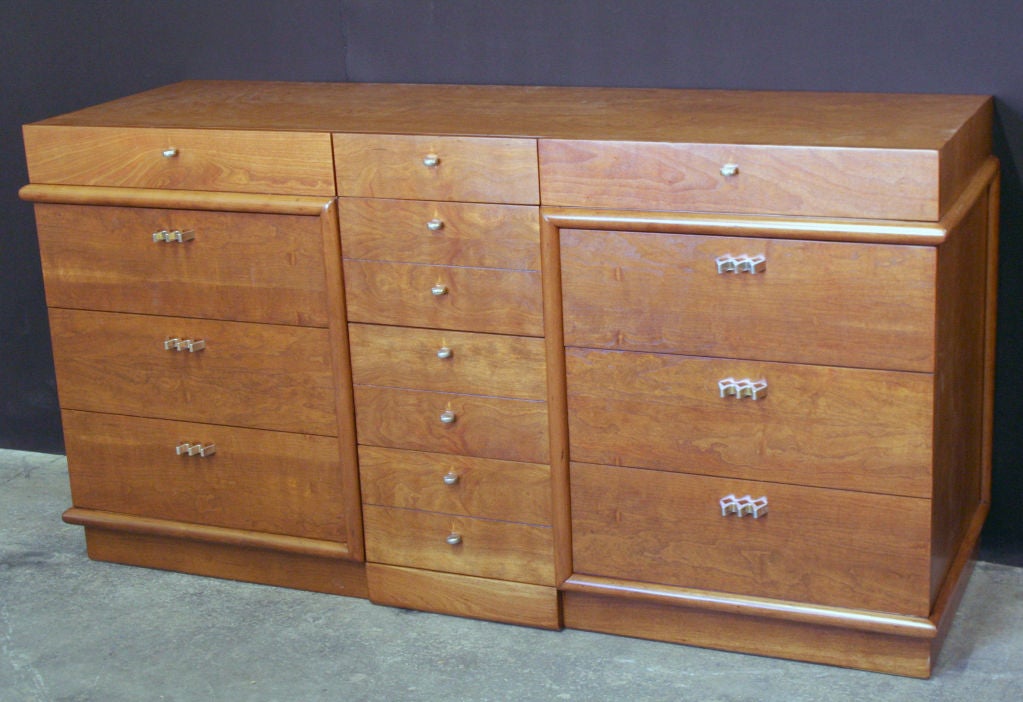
493	489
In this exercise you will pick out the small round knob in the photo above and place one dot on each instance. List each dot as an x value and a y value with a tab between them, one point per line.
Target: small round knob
729	169
444	352
451	478
435	225
170	153
448	417
431	160
454	539
439	289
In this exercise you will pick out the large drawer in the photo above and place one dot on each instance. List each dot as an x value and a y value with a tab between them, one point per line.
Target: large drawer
245	376
475	487
245	267
454	544
285	163
444	297
829	547
469	425
450	233
272	482
746	178
831	303
421	167
449	361
813	425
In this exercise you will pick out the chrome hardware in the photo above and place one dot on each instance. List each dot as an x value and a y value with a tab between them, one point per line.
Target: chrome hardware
729	169
171	344
170	153
439	289
741	506
753	389
431	160
448	417
444	352
451	478
741	264
177	236
190	345
453	539
435	225
189	449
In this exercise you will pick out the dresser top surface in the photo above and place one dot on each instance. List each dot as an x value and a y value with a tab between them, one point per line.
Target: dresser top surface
853	120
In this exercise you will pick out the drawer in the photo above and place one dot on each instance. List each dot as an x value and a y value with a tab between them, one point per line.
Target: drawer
470	425
816	425
483	547
419	167
474	487
273	482
285	163
831	303
448	361
450	233
829	547
783	180
445	297
245	267
246	374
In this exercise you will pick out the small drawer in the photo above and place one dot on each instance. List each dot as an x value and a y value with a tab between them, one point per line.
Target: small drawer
469	425
284	163
453	544
449	361
271	482
244	267
448	233
829	547
445	297
467	169
473	487
240	374
808	425
754	179
830	303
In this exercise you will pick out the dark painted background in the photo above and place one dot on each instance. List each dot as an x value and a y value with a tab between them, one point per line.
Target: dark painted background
56	56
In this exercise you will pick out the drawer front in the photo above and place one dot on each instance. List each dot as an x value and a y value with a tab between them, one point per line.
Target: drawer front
812	425
468	169
485	548
274	482
469	425
442	297
861	305
245	376
829	547
245	267
450	233
792	180
448	361
285	163
474	487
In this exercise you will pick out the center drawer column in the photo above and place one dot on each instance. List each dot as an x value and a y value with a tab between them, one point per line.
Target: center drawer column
440	239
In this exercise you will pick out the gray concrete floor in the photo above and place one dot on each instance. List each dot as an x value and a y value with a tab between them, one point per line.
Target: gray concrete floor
76	630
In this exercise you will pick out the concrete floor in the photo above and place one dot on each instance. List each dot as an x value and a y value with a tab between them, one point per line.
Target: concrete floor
76	630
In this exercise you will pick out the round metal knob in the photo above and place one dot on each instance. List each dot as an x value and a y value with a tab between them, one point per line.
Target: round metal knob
435	225
431	160
729	169
170	153
451	479
444	352
448	417
454	539
439	289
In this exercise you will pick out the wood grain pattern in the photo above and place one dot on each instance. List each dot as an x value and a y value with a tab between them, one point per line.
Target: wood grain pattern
116	363
488	548
860	305
284	163
494	489
818	425
479	364
481	235
469	169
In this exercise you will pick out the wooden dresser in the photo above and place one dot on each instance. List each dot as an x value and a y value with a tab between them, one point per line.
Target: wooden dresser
705	367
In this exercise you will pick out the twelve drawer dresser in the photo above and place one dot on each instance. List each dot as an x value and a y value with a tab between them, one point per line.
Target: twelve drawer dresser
707	367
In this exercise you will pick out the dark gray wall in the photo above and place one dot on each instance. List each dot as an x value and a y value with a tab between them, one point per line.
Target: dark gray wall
58	56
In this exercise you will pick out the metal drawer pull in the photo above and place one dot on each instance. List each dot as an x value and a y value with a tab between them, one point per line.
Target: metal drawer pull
186	448
451	478
753	389
170	152
447	417
741	264
730	169
431	160
435	225
177	236
453	539
445	352
741	506
439	289
190	345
